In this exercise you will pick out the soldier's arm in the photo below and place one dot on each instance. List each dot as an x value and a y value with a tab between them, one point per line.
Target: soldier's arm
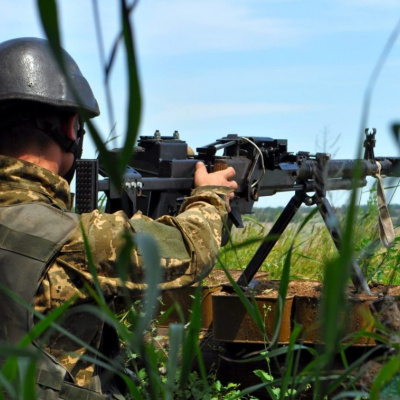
188	243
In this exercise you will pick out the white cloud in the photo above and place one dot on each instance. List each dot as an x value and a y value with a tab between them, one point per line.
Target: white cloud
178	26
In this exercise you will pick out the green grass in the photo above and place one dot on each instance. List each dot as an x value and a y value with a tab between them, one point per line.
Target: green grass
313	247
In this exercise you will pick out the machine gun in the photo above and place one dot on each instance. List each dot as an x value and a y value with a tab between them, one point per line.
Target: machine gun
161	171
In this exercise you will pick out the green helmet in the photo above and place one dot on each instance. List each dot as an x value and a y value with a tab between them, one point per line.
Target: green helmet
29	72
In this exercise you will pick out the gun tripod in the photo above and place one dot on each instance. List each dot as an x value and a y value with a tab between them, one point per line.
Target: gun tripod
281	224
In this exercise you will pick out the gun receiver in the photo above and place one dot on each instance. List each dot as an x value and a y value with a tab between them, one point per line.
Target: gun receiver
161	173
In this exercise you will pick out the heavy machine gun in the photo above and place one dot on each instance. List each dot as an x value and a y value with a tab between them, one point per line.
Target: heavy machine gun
161	173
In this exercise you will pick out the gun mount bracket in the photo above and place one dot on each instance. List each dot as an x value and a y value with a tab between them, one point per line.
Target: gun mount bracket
309	200
254	193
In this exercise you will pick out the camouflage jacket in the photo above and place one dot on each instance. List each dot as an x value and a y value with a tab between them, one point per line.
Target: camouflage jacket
188	244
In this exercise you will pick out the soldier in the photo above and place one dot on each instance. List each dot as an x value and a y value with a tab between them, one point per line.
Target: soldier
43	258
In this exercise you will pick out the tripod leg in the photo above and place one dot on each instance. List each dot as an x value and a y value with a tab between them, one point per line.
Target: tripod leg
272	237
332	224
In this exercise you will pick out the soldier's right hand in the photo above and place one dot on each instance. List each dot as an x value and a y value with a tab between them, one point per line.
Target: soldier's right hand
219	178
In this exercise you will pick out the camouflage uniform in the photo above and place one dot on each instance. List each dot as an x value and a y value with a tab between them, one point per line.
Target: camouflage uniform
188	244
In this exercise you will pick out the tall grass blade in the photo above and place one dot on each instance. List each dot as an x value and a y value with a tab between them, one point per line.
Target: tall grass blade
100	43
190	344
91	265
388	372
355	394
49	16
176	335
148	248
251	308
45	322
134	102
289	376
27	369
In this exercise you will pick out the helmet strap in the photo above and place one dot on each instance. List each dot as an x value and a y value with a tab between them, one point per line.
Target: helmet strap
77	153
71	146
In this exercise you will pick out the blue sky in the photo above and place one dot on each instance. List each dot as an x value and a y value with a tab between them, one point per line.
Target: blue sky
288	69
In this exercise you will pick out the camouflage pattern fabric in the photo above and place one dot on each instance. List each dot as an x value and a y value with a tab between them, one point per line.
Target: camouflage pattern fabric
189	244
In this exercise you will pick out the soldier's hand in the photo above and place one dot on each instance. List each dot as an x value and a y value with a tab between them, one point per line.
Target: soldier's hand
219	178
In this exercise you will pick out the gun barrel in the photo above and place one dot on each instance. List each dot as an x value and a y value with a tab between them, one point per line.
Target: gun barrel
339	175
390	166
347	169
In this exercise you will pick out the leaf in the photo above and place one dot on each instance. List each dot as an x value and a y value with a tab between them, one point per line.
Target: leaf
190	345
148	248
49	18
385	375
396	132
176	334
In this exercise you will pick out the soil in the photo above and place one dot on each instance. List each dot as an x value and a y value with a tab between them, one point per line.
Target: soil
295	288
369	372
261	286
260	283
217	277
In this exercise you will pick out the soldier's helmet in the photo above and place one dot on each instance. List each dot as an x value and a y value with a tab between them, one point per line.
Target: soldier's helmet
29	72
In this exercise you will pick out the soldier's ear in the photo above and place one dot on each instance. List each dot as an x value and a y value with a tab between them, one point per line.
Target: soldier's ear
69	126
